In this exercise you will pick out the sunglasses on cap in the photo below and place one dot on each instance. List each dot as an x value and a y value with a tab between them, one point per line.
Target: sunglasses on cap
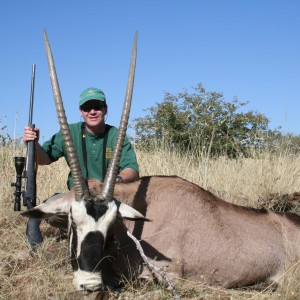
94	106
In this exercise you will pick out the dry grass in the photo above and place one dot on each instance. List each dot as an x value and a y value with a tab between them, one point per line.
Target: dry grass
48	274
242	181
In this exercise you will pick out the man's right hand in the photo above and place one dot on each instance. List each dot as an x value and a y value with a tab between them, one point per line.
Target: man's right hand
30	134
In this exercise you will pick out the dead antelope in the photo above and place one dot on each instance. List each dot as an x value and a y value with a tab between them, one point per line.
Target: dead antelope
193	233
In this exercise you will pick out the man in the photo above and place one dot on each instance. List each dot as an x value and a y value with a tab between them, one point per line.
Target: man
93	139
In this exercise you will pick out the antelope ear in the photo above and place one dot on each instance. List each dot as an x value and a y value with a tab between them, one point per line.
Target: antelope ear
127	212
56	205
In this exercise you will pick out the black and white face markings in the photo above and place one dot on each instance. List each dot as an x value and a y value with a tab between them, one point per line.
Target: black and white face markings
89	223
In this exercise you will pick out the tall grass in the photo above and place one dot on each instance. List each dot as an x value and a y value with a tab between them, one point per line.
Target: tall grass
241	181
48	275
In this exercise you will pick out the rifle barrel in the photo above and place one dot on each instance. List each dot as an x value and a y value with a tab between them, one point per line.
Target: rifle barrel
31	94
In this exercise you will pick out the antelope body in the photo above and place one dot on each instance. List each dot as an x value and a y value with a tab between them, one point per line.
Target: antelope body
192	234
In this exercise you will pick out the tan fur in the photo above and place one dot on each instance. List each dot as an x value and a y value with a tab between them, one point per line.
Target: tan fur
197	234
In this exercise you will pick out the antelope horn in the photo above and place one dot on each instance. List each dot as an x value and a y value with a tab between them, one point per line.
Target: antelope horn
113	168
80	186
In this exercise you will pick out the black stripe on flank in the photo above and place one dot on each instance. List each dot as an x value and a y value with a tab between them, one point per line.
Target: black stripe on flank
295	218
96	209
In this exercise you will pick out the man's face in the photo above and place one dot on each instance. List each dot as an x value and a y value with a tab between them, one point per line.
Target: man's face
93	112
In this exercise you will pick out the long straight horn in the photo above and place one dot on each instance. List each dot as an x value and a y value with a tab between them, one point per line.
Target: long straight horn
80	187
113	168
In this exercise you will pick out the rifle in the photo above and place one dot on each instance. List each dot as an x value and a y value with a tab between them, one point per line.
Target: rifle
29	196
33	232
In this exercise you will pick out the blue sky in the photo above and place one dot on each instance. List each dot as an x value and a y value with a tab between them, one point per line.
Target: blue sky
244	49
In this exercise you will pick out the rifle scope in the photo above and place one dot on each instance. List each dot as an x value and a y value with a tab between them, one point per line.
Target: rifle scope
19	166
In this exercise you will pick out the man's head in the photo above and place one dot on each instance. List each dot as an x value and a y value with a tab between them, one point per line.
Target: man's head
93	107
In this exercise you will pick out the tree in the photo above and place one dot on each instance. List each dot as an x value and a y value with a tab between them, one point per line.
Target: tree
202	121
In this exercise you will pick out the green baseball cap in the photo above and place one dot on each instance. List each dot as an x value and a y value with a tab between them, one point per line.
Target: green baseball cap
92	94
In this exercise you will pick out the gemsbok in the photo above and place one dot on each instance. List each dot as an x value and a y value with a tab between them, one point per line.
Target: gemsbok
191	234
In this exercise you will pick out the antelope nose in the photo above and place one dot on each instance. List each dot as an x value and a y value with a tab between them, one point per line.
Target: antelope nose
89	288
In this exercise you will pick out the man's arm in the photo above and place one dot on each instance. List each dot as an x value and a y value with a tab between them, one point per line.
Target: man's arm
128	175
33	135
42	156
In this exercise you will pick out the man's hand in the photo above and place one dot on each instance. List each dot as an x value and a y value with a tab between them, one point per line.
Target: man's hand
30	134
127	175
